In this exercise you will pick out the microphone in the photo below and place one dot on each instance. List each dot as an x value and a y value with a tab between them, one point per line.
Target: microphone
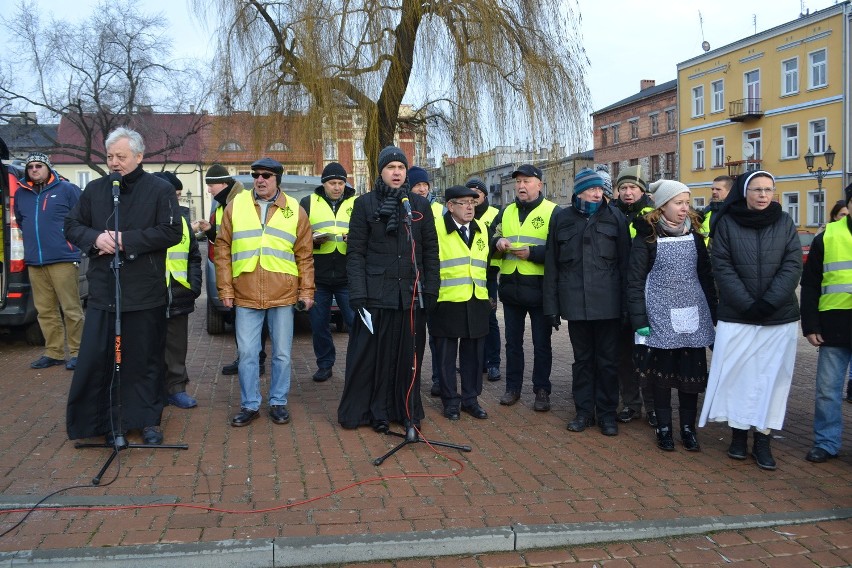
407	205
115	178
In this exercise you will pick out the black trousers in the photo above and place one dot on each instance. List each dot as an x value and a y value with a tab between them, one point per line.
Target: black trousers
595	367
177	342
469	353
99	401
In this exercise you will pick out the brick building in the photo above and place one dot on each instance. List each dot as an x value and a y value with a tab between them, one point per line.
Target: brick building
640	130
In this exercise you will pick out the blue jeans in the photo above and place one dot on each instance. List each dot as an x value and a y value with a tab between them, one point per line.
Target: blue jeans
320	316
514	319
248	325
828	403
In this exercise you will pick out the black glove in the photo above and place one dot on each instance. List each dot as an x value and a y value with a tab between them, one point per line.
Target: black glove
357	304
555	321
430	302
758	311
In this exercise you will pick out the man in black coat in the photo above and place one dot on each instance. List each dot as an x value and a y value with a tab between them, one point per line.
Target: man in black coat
459	323
149	223
382	383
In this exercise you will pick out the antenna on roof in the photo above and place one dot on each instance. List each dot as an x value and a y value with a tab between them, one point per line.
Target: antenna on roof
705	45
754	22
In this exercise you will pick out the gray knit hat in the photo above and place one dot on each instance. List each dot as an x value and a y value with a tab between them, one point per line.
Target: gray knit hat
663	190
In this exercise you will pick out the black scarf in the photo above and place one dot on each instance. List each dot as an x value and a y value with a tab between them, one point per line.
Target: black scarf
480	209
389	208
754	218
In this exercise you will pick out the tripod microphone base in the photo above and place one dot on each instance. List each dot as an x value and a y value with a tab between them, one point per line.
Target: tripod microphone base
412	437
119	445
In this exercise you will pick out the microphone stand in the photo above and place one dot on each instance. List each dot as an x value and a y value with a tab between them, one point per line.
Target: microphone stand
117	432
412	435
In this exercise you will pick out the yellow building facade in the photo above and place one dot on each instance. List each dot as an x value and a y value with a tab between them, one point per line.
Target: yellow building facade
762	103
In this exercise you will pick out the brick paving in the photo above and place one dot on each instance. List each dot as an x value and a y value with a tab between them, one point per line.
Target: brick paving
525	469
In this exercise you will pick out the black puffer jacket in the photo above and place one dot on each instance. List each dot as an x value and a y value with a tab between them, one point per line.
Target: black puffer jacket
757	268
585	266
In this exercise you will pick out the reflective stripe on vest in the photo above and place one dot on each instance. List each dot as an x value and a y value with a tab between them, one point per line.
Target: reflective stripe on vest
463	269
533	232
271	245
324	220
177	258
836	268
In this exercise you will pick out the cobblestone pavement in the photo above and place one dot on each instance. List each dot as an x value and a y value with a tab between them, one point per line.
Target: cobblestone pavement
311	478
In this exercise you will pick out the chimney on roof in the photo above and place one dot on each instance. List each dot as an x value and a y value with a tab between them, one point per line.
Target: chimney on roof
646	84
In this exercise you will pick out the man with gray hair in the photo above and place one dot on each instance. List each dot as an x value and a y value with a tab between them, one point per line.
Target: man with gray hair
149	222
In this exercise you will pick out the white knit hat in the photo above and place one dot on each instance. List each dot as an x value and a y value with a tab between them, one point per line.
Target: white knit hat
664	190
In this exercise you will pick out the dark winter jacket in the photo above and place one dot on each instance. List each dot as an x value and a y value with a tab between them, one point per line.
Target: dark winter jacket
756	268
632	211
517	288
381	274
460	319
330	269
41	217
835	326
585	270
181	298
149	220
642	257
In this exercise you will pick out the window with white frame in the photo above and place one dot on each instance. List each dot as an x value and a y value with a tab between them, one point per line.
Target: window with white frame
818	69
816	208
358	149
697	202
717	89
698	155
83	178
817	136
754	138
790	204
698	101
752	90
718	146
790	141
329	151
790	76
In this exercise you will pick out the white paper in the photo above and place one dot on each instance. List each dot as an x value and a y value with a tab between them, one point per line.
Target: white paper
367	318
639	339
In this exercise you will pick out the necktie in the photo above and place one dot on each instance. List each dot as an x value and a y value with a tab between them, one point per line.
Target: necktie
463	231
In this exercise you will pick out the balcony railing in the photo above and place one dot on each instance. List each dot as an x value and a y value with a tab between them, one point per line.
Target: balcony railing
738	167
745	109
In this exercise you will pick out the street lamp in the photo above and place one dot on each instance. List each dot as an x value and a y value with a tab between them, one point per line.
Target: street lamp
820	173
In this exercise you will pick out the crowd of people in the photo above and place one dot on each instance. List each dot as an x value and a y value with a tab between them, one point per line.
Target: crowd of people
646	286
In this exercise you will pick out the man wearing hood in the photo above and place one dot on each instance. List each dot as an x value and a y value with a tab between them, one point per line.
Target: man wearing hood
520	236
329	209
42	202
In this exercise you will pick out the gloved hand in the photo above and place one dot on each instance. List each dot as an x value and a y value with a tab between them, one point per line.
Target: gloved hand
357	304
555	322
644	331
758	311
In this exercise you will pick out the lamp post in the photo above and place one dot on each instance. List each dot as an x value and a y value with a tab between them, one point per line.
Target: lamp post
820	173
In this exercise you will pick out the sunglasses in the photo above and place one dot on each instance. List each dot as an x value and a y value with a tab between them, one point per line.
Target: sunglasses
264	175
35	166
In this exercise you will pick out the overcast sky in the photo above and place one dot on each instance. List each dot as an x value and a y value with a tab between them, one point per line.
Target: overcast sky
625	40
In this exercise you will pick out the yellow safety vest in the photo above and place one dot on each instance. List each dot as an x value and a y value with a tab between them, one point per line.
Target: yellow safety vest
488	216
271	245
642	212
324	220
437	209
177	258
836	268
533	232
463	269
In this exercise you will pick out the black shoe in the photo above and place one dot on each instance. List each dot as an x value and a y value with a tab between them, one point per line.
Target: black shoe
232	369
510	398
381	426
664	438
849	391
762	452
322	374
627	414
476	411
738	449
44	362
542	401
152	435
652	418
435	390
279	414
689	439
493	374
580	423
818	455
244	417
451	413
609	427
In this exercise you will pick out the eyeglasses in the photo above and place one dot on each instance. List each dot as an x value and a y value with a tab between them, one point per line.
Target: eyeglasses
465	203
763	190
35	166
264	175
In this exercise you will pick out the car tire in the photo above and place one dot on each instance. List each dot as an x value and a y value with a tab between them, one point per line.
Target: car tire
33	335
215	320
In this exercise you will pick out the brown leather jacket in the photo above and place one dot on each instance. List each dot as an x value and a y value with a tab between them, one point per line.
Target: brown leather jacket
261	289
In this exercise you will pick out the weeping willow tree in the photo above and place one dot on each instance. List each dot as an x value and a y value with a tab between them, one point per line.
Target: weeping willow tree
477	72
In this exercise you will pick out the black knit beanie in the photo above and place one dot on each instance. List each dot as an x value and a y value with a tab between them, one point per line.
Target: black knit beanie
217	173
391	154
333	171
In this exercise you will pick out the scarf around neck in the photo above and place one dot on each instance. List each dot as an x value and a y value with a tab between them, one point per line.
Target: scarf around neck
389	204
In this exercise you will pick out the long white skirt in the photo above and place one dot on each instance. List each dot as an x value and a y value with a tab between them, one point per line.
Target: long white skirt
750	375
